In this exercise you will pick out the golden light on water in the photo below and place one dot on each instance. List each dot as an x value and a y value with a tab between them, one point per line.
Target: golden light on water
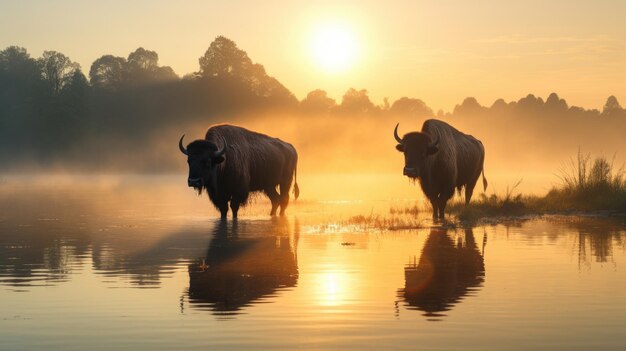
334	47
332	288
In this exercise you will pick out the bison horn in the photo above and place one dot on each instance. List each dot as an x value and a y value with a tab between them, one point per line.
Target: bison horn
181	147
395	134
221	152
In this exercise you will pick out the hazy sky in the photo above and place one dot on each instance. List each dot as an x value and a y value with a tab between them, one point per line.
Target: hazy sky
439	51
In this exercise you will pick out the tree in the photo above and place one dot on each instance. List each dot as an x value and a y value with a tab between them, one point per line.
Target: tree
555	104
56	70
108	71
143	67
74	92
18	70
612	107
229	64
470	106
356	101
530	104
224	58
317	101
20	94
142	59
413	107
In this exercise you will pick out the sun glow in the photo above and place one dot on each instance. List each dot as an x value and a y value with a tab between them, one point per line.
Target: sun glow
334	47
333	288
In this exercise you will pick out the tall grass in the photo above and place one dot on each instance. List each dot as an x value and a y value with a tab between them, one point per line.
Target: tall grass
510	204
589	184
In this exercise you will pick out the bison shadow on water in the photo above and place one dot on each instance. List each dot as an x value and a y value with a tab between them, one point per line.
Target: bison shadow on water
447	271
245	263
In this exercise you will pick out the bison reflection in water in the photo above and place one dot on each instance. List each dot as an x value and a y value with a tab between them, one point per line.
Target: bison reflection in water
442	158
230	162
242	267
447	271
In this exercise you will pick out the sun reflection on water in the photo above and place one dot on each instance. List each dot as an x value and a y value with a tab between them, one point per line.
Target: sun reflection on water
333	289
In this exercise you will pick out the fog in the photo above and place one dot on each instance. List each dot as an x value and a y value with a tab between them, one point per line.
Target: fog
354	156
128	116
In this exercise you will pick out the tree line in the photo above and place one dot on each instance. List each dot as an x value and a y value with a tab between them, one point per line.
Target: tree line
49	107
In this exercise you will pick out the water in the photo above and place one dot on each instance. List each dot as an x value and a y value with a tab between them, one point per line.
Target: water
143	263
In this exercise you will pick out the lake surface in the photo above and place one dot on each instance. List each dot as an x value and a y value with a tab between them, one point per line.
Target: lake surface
142	262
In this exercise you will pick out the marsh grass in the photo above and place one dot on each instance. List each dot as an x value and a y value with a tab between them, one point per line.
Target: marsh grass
380	222
507	205
587	185
409	210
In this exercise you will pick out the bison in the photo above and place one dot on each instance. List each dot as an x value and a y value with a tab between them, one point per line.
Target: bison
231	162
442	158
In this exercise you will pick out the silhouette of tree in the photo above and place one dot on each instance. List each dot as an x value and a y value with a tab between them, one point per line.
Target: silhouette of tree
143	67
554	104
224	58
317	101
108	71
499	105
232	67
74	92
19	73
56	70
20	97
357	101
612	107
469	107
530	104
413	107
142	59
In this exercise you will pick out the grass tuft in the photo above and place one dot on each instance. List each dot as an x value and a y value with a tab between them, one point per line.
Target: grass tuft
587	185
510	204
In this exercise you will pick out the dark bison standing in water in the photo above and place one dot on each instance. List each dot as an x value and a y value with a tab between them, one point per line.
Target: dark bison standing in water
231	162
442	158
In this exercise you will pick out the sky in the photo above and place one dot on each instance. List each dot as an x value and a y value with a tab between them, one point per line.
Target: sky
438	51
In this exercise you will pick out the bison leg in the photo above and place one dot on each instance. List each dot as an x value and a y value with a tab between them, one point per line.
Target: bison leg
435	205
443	201
284	196
274	198
469	190
223	209
234	206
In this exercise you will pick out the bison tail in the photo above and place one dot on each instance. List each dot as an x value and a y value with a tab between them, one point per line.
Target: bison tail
296	189
484	180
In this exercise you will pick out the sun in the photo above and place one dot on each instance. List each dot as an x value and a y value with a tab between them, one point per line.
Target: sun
334	47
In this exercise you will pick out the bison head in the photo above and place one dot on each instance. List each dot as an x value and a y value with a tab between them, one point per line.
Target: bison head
203	157
416	147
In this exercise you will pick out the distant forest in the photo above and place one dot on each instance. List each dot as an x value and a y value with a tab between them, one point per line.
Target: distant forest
51	111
